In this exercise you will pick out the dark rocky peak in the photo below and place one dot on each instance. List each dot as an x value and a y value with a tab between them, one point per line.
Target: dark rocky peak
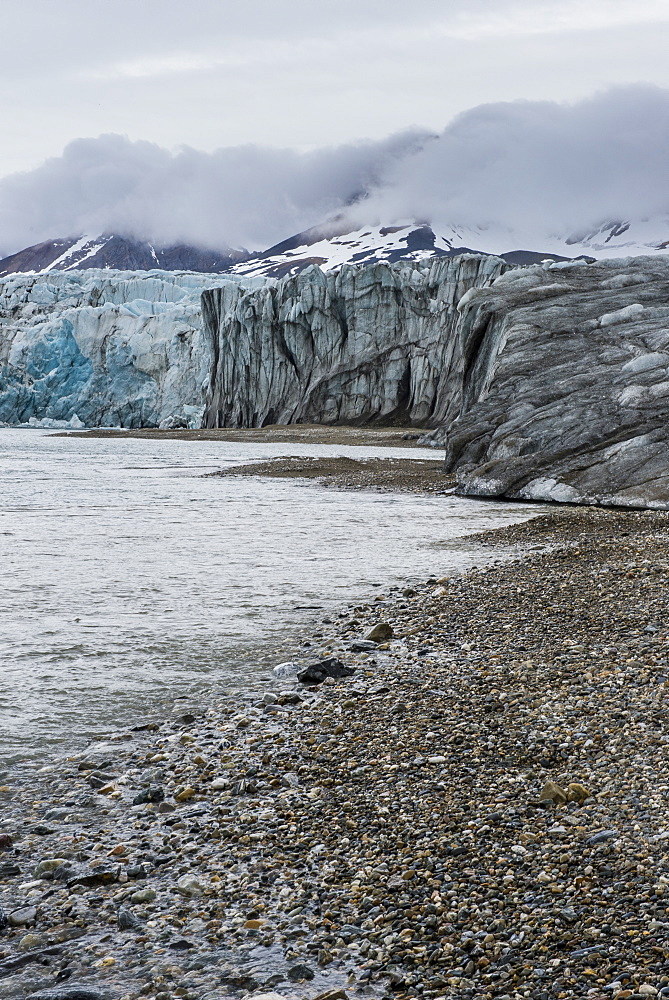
78	253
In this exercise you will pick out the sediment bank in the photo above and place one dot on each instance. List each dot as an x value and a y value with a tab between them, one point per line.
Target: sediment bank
383	475
384	833
361	436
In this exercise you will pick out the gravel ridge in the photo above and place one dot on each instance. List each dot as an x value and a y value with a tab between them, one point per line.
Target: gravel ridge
383	833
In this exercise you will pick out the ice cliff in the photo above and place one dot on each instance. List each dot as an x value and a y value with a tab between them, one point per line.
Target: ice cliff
355	345
545	382
103	348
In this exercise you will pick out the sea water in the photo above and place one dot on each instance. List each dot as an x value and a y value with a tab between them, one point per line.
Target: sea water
130	577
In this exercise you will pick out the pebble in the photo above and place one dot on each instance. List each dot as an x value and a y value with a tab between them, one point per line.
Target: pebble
388	829
380	633
23	917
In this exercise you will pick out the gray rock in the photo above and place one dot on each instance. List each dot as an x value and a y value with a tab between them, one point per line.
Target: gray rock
299	972
562	387
23	917
601	837
47	866
362	646
585	952
288	669
143	896
101	875
381	632
289	698
154	793
69	991
56	814
125	920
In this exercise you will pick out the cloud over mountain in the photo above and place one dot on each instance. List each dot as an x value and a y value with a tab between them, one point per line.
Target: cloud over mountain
539	166
240	196
525	165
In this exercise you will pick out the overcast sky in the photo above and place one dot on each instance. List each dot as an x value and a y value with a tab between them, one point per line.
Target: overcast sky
210	76
301	73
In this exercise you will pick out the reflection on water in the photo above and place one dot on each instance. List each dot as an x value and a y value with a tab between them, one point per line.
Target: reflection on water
129	577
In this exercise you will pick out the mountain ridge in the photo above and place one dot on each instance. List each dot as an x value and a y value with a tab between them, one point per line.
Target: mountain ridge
111	251
342	240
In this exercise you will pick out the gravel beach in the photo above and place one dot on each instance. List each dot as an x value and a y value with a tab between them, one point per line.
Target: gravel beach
337	434
382	475
478	810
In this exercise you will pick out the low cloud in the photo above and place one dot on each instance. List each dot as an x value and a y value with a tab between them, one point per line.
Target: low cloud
538	166
248	196
526	166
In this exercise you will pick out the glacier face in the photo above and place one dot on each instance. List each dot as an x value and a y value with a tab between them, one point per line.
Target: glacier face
355	345
109	348
544	383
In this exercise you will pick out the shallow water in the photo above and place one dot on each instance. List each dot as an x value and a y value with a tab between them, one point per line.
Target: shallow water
130	578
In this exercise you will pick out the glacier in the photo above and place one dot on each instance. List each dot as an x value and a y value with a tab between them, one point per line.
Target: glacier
547	382
354	345
563	387
104	348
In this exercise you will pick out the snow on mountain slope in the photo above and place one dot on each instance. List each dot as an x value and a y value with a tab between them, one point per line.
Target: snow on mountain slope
332	246
344	241
612	238
117	252
335	244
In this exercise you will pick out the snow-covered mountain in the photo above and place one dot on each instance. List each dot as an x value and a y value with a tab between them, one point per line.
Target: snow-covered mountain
337	243
343	241
609	238
118	253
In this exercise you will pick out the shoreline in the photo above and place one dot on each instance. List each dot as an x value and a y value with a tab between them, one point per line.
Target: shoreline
383	831
338	434
382	475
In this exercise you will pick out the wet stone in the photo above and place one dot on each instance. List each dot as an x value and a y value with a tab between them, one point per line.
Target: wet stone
154	793
23	917
316	673
389	829
381	632
300	973
70	991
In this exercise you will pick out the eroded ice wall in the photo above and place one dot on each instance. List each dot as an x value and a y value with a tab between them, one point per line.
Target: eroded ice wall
360	344
106	348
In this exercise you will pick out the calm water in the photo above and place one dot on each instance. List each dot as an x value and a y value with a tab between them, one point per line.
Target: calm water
129	578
